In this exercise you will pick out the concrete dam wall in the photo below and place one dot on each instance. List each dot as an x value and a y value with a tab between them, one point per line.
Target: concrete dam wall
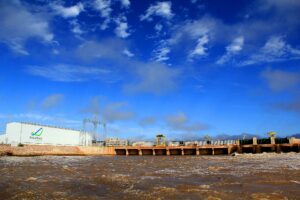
253	145
38	150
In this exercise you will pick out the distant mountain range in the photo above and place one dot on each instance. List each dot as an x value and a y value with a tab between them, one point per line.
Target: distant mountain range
248	136
235	137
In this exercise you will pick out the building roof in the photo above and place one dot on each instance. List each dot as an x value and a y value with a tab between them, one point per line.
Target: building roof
51	126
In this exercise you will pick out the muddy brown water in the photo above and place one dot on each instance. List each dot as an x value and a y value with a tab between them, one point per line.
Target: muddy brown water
259	176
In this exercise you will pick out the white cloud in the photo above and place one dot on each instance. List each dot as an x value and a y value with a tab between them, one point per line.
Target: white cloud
279	8
115	112
32	116
18	48
128	53
180	122
76	29
18	25
69	73
187	33
235	47
93	107
286	5
104	25
147	121
52	101
162	9
109	112
193	30
68	12
161	54
200	49
275	49
104	6
125	3
280	80
158	27
194	36
55	51
103	49
291	106
122	28
155	78
41	118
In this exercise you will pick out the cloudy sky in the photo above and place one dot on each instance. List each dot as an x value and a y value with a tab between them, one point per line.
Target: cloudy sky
182	68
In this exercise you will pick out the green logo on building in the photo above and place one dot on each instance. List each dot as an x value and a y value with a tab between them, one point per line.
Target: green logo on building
37	133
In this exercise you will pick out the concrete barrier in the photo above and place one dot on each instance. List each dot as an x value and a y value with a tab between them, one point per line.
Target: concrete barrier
38	150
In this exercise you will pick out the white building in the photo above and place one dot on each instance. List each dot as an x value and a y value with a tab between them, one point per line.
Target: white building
113	142
143	144
29	133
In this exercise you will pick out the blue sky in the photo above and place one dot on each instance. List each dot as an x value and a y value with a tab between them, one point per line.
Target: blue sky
182	68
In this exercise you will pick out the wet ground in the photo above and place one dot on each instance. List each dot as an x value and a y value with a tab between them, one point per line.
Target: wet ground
259	176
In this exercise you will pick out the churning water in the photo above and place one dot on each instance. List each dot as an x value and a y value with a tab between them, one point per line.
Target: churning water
261	176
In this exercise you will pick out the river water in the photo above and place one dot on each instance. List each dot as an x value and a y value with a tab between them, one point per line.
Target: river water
259	176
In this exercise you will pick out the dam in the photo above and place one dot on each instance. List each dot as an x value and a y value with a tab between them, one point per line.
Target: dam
241	146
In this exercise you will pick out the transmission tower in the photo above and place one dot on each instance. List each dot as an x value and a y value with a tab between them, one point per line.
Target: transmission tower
95	122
